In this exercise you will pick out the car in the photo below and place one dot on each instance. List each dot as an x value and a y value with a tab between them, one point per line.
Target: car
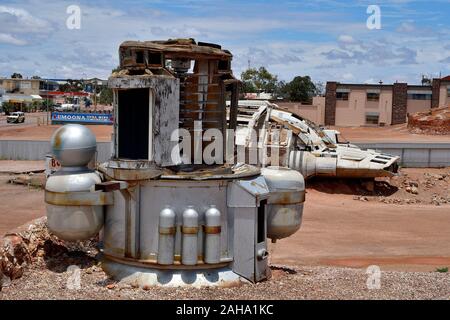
65	107
16	117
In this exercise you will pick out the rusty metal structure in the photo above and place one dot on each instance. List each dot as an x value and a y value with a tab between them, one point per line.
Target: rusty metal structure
303	146
167	217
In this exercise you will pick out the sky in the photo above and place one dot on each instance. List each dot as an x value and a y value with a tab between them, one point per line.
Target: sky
326	39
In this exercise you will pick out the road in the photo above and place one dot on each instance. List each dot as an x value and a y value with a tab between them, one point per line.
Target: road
30	120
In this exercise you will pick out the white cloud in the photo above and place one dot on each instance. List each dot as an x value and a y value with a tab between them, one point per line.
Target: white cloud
406	27
18	20
9	39
348	76
346	39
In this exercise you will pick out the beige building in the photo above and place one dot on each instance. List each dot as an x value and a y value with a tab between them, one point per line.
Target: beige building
20	86
372	104
19	91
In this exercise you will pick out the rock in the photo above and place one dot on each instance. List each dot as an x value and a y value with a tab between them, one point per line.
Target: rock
14	256
412	190
414	184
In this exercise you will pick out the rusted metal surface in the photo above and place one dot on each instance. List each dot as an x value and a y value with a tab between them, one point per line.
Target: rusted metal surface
169	230
217	173
173	48
177	265
212	230
79	198
288	197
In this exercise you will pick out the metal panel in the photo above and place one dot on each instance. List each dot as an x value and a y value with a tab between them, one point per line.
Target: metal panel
244	242
165	112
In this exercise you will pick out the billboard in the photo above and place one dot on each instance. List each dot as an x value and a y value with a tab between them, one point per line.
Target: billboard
84	118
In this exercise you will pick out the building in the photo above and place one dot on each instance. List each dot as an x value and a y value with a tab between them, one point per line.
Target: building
348	104
21	86
381	104
19	91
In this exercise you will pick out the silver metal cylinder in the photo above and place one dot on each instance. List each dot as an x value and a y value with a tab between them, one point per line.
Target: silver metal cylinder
167	230
189	252
212	231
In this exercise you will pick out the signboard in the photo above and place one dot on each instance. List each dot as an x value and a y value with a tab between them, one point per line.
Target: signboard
87	118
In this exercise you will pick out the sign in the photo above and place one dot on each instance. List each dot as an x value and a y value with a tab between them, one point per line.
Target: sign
88	118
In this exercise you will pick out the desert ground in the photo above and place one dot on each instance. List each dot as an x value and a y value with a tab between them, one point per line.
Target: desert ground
400	224
397	133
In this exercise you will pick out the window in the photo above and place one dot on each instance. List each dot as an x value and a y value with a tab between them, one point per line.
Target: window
448	92
155	58
372	96
372	118
341	95
419	96
139	57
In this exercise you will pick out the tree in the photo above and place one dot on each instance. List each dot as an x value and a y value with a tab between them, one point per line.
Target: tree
116	69
300	89
426	81
106	96
16	75
36	77
258	80
320	88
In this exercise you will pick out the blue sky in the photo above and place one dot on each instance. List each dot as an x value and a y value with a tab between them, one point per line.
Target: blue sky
326	39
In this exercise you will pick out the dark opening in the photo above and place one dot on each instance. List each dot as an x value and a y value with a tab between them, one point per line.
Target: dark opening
261	236
139	57
155	58
133	124
224	65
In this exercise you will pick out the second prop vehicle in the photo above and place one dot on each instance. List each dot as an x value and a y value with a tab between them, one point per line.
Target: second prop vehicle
285	139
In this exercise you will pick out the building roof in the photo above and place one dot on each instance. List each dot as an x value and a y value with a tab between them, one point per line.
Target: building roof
447	78
185	48
21	98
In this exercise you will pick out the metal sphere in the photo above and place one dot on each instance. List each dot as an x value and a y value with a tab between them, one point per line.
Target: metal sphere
73	145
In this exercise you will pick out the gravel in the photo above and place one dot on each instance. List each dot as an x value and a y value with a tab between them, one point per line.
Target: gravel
49	279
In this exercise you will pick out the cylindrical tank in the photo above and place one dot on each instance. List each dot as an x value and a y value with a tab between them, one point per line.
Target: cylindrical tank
212	235
167	230
310	165
285	203
189	251
72	222
73	146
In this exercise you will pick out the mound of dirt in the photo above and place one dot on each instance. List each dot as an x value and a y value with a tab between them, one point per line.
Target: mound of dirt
410	186
32	243
434	121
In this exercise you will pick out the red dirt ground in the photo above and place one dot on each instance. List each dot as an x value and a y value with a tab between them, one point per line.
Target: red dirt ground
337	230
44	133
396	133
